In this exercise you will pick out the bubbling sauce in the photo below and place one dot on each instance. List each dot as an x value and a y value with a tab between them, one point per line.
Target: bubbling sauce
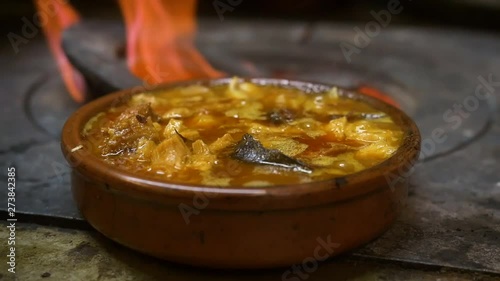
242	134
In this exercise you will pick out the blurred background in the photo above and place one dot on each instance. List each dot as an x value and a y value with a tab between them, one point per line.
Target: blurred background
470	14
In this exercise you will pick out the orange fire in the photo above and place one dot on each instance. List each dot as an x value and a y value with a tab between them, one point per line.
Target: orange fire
160	41
59	18
378	94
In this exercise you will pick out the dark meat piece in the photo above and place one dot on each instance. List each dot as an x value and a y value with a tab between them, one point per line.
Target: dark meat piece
252	151
142	112
280	116
358	116
141	118
124	133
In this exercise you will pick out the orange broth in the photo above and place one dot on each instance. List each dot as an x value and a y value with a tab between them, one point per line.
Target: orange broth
189	134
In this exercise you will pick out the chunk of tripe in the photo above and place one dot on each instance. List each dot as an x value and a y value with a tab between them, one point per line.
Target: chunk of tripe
336	129
202	158
287	146
374	153
176	126
200	148
172	128
204	121
145	149
242	90
221	143
171	154
247	110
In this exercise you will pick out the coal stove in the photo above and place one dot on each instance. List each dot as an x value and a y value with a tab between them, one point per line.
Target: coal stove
453	213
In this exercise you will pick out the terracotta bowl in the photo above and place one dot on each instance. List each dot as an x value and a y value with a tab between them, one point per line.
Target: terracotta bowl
228	227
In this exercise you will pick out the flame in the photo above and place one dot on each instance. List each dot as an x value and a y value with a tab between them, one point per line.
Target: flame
379	95
59	18
160	41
